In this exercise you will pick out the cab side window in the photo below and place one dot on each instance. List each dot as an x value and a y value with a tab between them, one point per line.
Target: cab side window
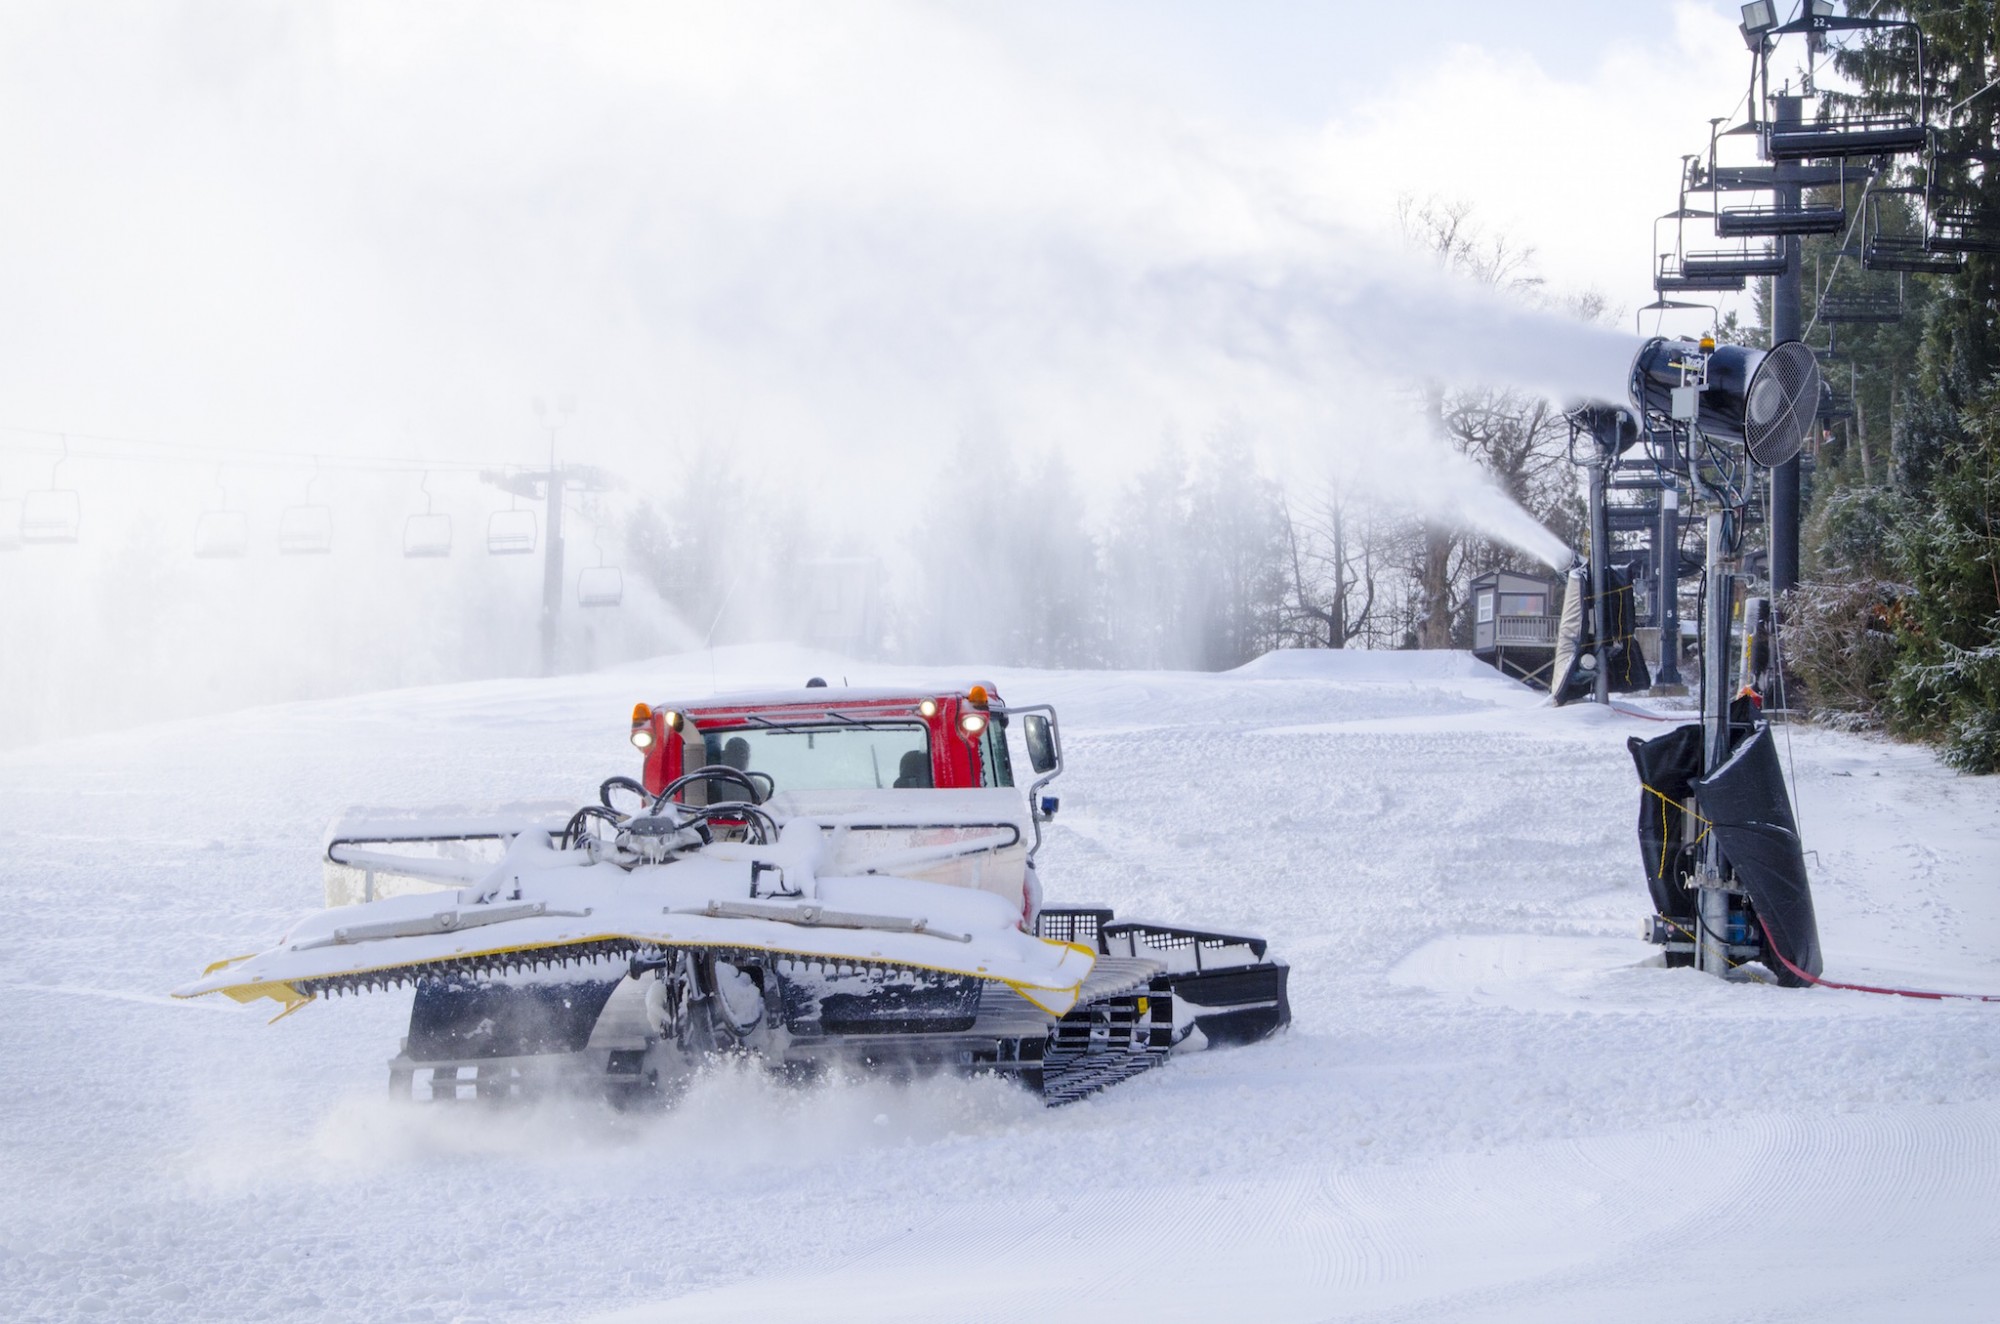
995	768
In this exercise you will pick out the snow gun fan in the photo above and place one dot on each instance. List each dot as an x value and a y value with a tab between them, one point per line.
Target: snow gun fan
1760	400
1717	837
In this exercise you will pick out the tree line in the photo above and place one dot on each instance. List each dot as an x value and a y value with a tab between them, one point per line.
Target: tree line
1204	560
1898	621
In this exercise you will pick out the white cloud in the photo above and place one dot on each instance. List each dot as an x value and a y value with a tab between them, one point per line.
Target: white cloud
1576	162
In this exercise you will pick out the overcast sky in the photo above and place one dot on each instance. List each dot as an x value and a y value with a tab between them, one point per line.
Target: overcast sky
351	227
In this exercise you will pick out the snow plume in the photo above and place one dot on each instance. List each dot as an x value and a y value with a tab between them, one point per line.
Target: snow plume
735	1122
820	246
1462	494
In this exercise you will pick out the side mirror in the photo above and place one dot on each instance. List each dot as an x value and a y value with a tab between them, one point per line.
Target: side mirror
1041	738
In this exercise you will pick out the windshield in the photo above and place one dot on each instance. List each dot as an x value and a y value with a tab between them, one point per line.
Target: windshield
828	758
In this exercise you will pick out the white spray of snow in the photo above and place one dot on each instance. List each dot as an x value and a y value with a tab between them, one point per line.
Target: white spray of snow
729	231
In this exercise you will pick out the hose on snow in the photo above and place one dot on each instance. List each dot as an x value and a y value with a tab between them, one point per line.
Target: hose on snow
1771	946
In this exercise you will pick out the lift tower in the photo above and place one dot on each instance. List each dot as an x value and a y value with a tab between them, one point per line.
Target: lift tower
550	485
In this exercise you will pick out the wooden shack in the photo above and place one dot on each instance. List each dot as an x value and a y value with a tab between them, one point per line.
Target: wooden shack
1514	618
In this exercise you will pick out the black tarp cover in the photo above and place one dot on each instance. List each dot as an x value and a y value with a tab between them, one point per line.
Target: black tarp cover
1668	766
1578	637
1745	805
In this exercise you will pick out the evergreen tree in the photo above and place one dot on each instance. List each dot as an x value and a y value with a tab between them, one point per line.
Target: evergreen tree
1925	511
1239	555
1149	568
1948	684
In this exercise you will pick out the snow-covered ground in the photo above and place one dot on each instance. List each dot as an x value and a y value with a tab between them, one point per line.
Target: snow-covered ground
1493	1104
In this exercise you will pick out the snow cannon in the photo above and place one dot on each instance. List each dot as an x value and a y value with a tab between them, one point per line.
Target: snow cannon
1761	400
1722	855
1594	636
1596	654
1717	836
815	879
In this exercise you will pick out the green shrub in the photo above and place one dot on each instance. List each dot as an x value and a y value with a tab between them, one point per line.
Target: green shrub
1840	641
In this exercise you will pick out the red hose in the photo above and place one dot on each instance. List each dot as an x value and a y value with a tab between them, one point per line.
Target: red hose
1645	716
1771	946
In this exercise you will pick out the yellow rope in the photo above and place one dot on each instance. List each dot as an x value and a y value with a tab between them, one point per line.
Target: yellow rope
1684	807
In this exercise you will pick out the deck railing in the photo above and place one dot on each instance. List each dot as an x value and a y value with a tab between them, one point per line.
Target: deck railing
1539	630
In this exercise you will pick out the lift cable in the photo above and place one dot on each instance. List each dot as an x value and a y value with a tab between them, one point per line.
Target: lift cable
205	453
1974	97
1860	209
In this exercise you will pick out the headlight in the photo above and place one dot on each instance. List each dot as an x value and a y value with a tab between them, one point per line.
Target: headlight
972	723
643	737
927	709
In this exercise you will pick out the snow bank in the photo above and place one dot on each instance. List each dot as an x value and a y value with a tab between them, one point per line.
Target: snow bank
1368	666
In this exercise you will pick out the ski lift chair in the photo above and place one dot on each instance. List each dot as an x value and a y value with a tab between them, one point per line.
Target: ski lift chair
221	534
51	515
511	532
1738	262
1675	276
1774	219
1963	229
1861	308
1908	252
1779	219
428	534
1903	251
305	531
600	586
1846	136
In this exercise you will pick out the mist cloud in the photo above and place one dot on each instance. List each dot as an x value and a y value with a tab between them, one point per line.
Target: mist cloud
820	245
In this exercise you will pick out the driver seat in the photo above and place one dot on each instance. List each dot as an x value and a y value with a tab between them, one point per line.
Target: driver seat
914	771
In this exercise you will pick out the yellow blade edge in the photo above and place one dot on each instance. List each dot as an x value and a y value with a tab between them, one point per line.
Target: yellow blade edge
290	997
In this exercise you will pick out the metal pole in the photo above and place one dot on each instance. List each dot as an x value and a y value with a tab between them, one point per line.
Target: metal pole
1786	322
1669	614
552	572
1711	952
1600	548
